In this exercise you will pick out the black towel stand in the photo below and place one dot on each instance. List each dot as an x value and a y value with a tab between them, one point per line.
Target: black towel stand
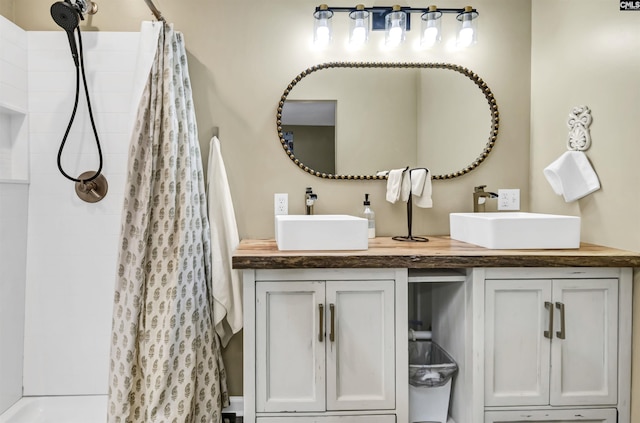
410	237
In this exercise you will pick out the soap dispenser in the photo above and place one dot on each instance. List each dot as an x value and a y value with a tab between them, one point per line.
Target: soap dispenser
370	216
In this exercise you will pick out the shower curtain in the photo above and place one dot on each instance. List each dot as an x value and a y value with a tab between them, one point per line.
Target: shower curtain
165	363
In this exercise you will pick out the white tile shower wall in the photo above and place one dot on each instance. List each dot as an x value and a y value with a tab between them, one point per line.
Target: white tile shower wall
13	65
13	214
72	245
13	253
13	102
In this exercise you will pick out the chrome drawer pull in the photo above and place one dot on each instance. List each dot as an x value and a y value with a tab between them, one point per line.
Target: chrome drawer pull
332	335
549	333
321	313
561	334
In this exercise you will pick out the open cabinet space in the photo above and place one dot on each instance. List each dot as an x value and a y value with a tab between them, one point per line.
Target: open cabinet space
437	306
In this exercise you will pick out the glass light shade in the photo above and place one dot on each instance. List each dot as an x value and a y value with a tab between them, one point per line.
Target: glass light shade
395	26
431	29
322	27
468	29
359	27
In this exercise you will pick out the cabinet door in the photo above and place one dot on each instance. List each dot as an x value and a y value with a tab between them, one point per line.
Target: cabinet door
552	416
516	350
290	356
585	363
360	358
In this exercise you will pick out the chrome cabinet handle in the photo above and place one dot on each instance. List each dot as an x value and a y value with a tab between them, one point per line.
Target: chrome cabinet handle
321	315
561	334
549	333
332	334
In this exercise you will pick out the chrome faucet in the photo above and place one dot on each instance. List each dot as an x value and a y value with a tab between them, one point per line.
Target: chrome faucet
309	200
480	198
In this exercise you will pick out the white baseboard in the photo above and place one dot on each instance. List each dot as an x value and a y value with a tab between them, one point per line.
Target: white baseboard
236	405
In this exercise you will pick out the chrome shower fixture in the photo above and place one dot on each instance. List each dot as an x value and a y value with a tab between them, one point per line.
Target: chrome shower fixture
82	7
94	190
88	7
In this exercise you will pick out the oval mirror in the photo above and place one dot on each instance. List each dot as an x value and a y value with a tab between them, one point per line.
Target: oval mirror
348	120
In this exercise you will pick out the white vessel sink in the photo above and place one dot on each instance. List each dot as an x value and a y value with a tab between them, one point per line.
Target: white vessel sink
321	232
516	230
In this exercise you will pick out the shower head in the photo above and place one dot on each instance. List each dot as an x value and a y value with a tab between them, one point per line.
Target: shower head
68	14
65	15
68	17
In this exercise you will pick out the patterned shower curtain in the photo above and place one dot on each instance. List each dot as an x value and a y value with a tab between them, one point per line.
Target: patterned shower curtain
166	363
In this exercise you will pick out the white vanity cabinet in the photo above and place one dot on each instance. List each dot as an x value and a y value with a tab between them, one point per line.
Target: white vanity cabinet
325	345
538	336
554	341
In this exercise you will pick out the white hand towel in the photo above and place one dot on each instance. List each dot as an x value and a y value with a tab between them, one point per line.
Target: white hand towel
405	190
394	182
226	281
572	176
421	188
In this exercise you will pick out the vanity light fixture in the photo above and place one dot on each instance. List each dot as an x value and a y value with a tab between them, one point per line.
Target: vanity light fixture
322	25
359	27
468	31
395	21
431	27
395	26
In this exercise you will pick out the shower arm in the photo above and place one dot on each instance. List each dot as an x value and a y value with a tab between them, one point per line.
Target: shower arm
154	10
87	6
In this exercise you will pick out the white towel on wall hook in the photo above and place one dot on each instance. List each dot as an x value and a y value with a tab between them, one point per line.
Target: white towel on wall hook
572	176
226	282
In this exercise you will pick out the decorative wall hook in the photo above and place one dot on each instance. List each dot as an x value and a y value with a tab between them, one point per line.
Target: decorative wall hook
578	123
571	175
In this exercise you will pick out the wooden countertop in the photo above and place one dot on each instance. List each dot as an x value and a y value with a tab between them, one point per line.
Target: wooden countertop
440	252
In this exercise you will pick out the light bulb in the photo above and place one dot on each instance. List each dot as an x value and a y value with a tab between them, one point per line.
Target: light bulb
322	26
465	36
395	35
359	27
431	24
468	24
358	35
323	35
429	37
395	24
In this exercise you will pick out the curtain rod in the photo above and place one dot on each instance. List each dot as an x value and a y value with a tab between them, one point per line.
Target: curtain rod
154	10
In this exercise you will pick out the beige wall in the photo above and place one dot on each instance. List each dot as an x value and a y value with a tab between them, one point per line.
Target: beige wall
6	9
587	52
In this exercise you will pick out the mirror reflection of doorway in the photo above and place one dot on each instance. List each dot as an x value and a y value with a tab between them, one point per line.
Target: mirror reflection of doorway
309	128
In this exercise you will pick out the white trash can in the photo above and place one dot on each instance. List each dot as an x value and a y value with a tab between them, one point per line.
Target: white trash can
431	370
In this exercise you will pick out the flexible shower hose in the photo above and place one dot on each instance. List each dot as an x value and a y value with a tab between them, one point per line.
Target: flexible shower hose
80	69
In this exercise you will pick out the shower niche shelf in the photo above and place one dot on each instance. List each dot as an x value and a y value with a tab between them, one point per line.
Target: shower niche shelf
14	144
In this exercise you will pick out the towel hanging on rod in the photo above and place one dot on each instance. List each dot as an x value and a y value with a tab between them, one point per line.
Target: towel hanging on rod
154	10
